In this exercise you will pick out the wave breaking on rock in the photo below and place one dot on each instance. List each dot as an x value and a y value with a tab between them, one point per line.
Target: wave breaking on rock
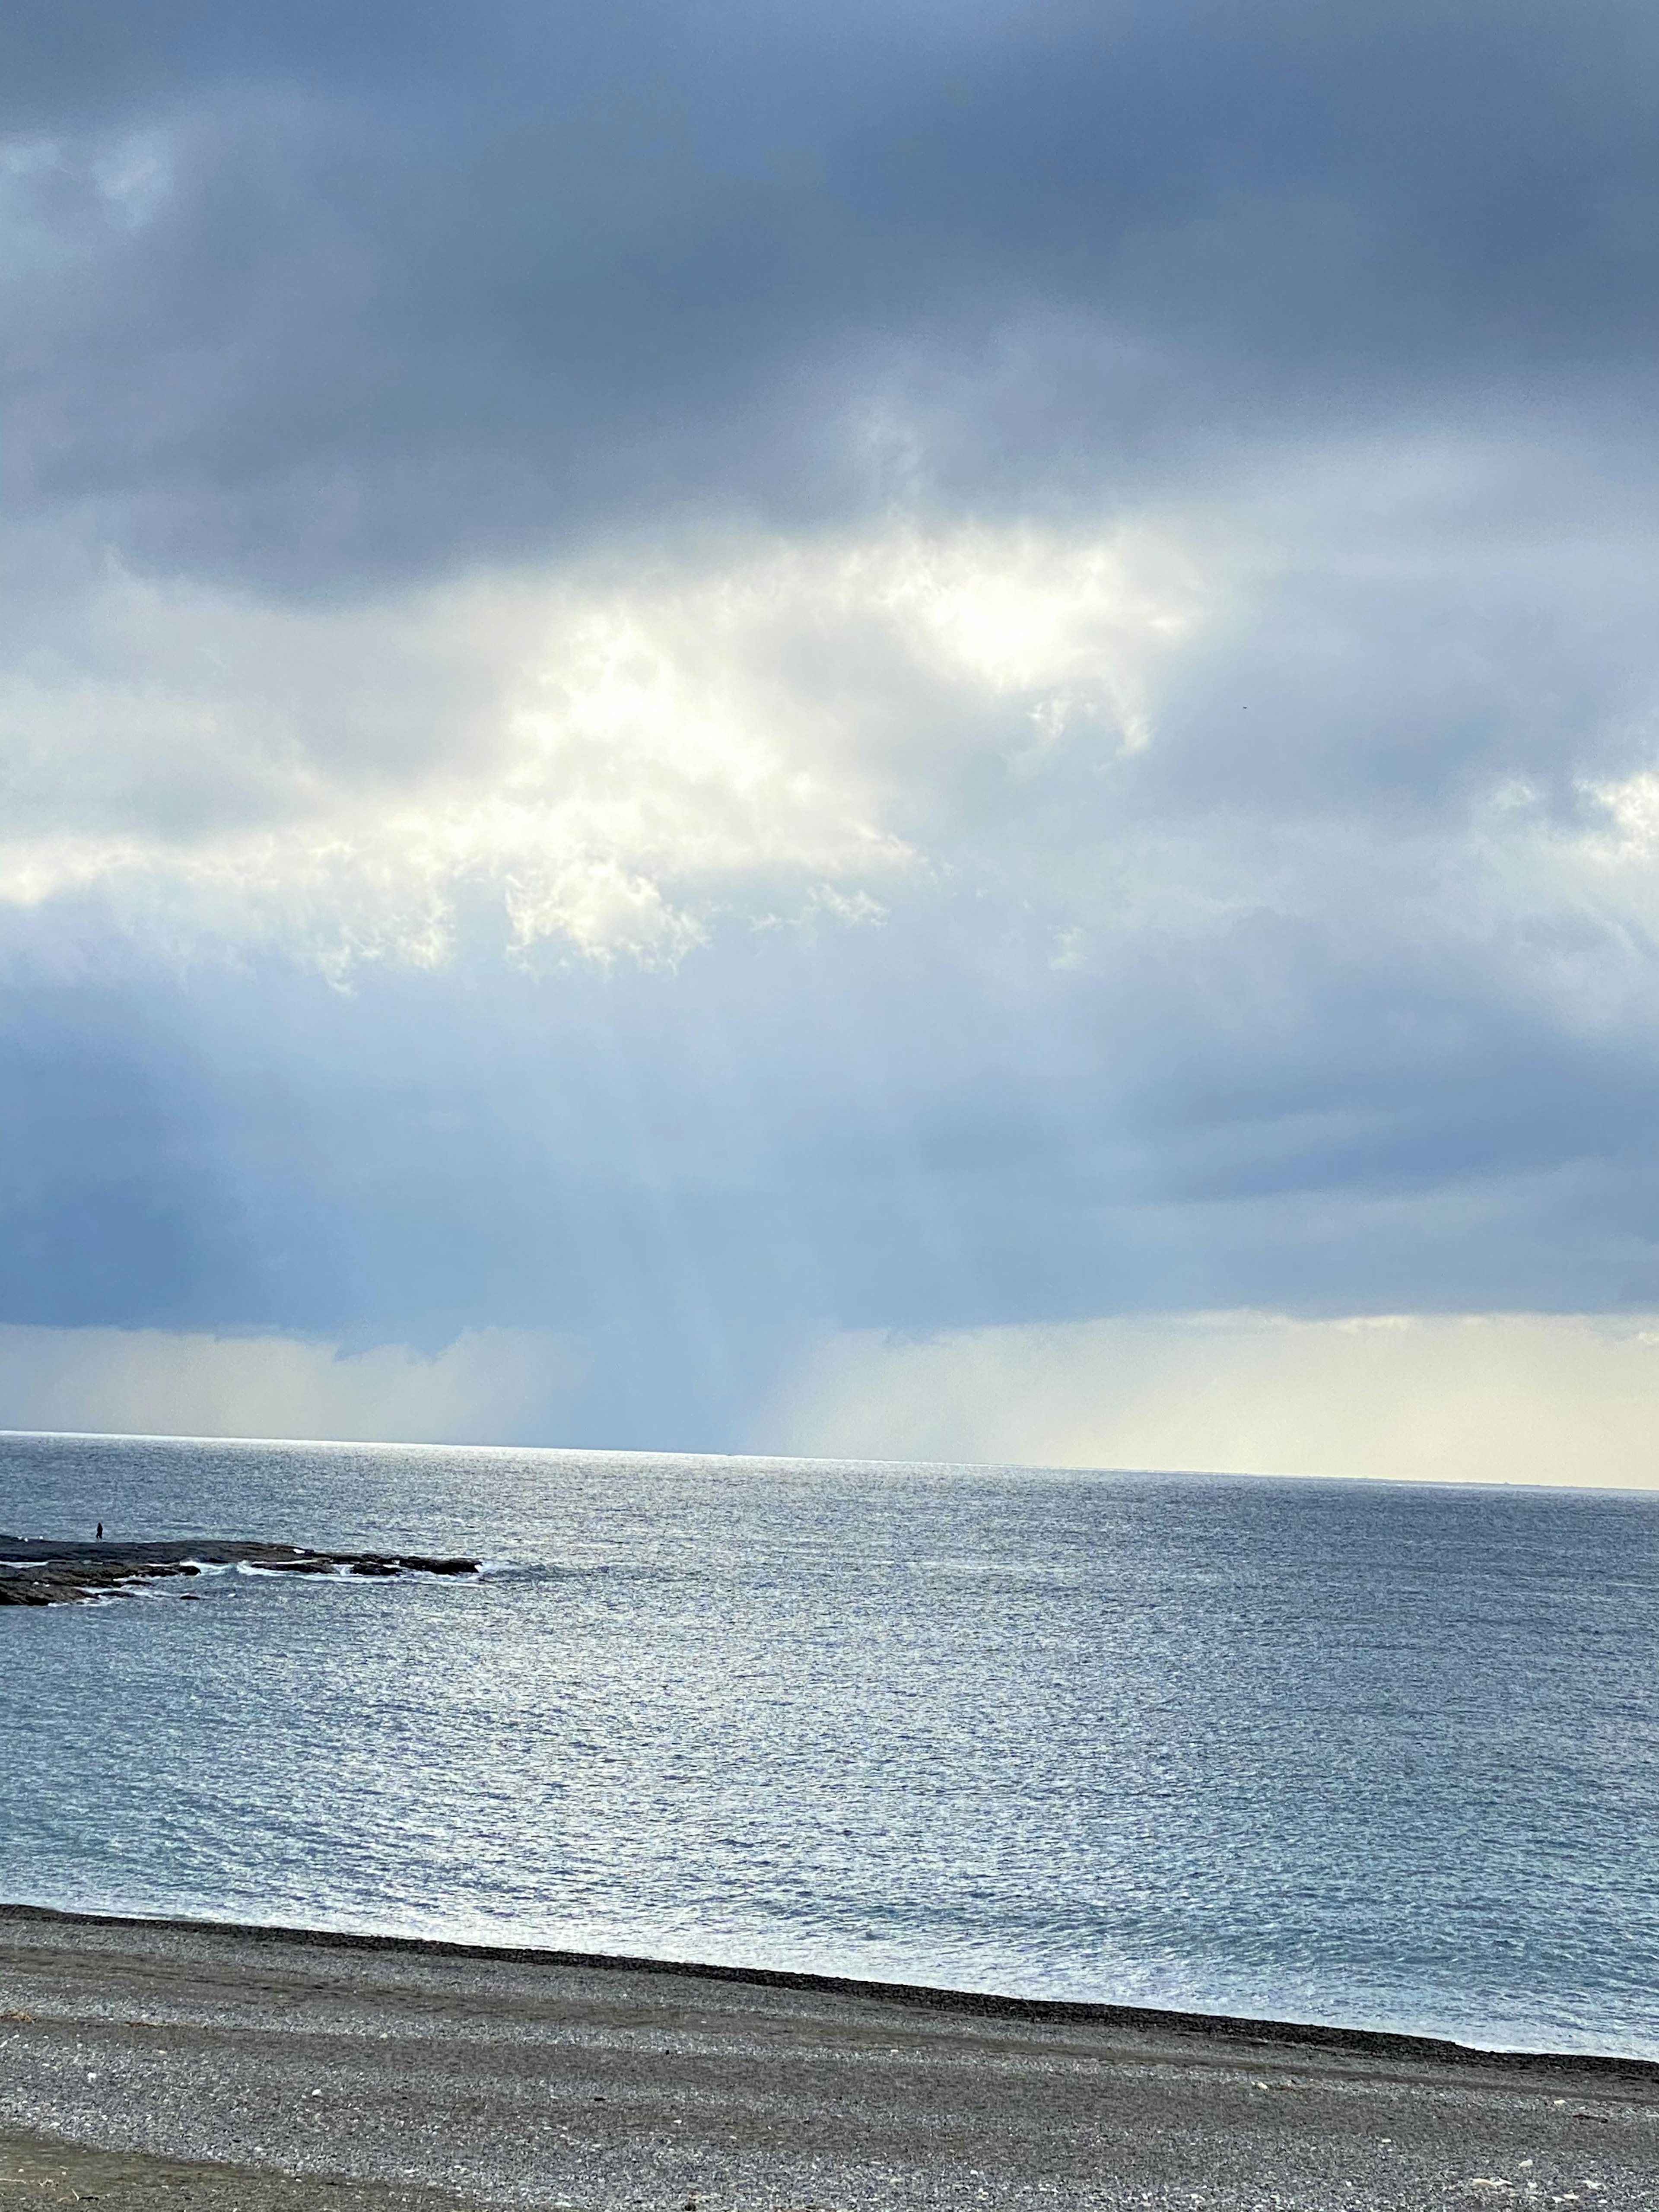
47	1570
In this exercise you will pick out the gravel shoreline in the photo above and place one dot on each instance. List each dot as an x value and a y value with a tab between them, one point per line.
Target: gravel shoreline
244	2070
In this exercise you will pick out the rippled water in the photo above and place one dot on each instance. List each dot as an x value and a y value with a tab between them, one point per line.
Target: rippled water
1382	1756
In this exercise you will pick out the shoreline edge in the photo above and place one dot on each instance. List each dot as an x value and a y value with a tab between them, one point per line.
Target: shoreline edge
1221	2029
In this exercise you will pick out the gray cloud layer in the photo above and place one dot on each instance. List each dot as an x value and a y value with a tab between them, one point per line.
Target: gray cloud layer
1041	622
315	300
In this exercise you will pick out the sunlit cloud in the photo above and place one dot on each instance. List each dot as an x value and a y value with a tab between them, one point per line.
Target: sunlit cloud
611	760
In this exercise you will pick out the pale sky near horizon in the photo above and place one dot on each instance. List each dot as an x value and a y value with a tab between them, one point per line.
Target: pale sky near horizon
928	731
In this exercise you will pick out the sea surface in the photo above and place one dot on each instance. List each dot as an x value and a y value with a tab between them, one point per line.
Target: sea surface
1376	1755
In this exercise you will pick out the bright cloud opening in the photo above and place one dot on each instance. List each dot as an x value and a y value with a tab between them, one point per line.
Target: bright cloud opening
611	760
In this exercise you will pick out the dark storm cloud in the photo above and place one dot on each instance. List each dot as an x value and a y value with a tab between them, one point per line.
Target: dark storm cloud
408	287
693	1172
114	1206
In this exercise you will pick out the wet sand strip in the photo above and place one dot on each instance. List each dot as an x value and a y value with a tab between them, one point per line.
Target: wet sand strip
35	2174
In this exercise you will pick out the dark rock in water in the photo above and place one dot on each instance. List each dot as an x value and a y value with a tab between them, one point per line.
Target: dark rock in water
40	1571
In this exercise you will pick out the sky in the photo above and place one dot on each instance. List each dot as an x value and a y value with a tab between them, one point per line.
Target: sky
916	730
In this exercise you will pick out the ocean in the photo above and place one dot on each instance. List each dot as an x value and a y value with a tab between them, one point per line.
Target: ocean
1381	1756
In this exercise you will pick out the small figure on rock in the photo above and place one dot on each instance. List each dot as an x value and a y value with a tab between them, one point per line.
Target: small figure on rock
101	1529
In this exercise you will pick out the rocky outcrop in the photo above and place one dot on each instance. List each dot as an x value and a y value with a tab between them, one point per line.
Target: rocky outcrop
43	1571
